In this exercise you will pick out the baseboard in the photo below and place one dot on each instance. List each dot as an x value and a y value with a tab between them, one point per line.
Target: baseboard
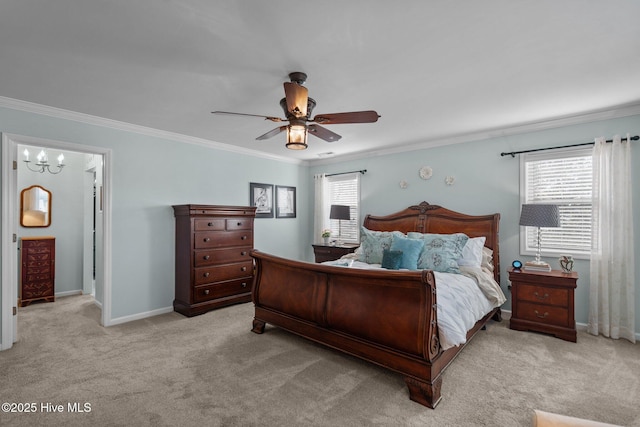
506	314
68	293
131	318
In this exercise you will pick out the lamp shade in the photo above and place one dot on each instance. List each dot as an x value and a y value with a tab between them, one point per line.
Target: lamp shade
537	215
340	212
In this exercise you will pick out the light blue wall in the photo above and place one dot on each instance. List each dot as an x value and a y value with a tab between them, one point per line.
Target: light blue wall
149	175
485	183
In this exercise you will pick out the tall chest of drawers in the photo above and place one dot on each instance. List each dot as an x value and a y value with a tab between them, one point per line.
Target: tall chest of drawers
213	266
37	269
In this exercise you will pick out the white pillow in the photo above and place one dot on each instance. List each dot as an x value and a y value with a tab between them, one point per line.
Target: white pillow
472	252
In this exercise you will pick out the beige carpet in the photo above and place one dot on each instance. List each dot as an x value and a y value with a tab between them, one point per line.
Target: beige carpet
211	370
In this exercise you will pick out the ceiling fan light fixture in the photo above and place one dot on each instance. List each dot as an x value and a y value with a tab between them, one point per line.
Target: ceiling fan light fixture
296	137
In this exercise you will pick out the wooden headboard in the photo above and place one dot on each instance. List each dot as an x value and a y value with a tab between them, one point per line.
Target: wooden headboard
426	218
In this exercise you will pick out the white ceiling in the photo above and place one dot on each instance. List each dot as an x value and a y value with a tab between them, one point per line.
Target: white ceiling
436	71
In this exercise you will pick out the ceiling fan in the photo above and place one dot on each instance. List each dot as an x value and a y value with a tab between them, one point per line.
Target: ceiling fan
297	108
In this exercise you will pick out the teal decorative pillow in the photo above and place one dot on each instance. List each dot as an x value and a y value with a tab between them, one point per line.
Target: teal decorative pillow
391	259
441	251
411	249
373	243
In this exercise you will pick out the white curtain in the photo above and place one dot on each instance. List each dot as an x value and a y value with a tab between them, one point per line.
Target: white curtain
320	213
611	295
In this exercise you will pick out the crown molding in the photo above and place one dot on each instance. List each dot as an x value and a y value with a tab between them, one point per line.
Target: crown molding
59	113
625	110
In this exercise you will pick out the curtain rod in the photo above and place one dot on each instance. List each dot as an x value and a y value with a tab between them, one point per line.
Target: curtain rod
513	153
363	171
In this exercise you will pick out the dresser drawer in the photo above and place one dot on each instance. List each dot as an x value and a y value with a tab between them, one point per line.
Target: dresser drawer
220	290
219	239
239	224
221	273
546	314
37	289
221	256
204	224
543	295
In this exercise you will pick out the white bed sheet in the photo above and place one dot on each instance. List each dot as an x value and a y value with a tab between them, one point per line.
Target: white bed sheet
461	301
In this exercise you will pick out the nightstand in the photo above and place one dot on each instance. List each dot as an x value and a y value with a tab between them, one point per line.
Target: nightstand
329	253
543	302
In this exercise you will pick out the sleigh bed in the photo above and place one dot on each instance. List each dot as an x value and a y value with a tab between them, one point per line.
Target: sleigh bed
386	317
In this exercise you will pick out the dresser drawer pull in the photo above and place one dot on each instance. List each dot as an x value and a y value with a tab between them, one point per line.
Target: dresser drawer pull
206	257
239	224
541	298
206	239
206	291
244	285
243	238
243	269
243	253
541	316
206	274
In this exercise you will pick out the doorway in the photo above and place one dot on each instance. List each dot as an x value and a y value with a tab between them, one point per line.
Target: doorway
95	234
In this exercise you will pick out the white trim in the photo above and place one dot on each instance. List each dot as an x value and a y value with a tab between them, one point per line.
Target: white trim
68	293
139	316
9	207
506	314
9	249
614	112
60	113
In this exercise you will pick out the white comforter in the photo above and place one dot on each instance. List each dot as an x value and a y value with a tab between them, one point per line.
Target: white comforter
462	299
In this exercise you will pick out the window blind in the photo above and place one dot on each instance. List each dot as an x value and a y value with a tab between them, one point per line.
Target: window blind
345	190
564	179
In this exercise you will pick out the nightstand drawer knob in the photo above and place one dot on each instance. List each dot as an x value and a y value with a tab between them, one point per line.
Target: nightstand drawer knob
243	253
244	285
206	291
206	257
244	238
541	298
206	239
244	269
541	316
206	274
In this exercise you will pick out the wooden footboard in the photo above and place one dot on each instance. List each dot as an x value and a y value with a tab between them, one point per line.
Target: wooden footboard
385	317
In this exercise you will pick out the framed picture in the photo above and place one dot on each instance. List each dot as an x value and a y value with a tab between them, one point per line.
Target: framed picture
285	202
261	196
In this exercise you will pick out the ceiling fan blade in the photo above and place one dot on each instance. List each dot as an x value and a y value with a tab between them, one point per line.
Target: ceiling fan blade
369	116
273	119
272	133
323	133
296	96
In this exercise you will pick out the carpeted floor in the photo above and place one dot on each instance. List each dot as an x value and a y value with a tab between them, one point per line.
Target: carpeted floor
211	370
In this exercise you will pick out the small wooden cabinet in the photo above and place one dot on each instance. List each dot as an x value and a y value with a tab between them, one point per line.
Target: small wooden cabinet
213	265
329	253
37	270
543	302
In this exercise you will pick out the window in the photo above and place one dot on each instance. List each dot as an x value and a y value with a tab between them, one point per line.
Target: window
345	190
562	178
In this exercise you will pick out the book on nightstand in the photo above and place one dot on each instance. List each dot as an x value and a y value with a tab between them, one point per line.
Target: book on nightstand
532	266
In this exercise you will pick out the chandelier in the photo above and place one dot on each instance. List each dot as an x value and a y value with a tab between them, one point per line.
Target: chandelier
42	163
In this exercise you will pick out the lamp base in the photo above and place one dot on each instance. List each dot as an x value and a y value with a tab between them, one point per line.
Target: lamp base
537	266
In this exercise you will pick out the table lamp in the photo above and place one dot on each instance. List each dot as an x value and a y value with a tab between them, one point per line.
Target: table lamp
539	215
340	212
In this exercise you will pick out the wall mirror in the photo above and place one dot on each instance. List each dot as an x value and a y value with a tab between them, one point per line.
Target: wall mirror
35	207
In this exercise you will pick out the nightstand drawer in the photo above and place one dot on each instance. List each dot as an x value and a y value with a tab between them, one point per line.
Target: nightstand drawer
546	314
543	295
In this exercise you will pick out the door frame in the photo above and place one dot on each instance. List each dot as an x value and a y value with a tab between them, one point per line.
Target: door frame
9	285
